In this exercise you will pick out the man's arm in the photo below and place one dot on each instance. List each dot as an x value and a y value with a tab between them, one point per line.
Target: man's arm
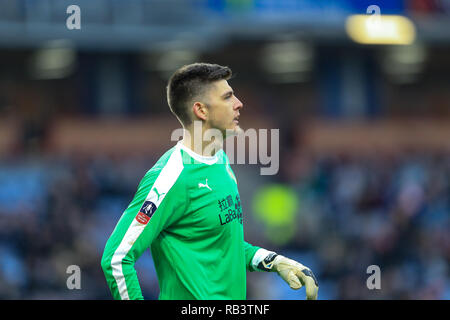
158	202
294	273
125	245
250	251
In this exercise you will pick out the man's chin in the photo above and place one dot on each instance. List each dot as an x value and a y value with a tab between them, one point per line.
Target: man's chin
234	131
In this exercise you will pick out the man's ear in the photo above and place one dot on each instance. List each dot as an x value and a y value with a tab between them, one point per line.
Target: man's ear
200	110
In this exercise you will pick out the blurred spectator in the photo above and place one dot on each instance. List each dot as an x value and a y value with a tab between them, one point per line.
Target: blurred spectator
354	213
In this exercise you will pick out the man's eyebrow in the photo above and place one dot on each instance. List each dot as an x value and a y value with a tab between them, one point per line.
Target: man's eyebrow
230	92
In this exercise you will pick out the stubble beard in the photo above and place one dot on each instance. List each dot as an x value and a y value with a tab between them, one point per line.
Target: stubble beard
237	130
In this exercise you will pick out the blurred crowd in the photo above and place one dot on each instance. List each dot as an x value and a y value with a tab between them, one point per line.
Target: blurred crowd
389	211
351	211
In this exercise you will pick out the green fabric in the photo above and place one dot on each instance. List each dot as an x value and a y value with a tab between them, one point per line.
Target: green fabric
195	235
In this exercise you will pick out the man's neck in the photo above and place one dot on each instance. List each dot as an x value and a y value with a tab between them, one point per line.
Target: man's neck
193	140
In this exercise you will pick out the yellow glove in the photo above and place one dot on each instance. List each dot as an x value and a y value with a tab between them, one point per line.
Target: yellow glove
296	275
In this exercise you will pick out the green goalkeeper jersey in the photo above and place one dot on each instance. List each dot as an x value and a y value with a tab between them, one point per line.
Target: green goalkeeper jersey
187	210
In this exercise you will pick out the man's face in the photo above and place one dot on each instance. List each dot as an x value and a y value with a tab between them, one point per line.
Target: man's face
223	108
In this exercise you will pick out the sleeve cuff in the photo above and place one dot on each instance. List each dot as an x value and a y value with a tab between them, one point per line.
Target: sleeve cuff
258	257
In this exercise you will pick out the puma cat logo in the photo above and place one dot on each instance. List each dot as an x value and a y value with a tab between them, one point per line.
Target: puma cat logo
204	185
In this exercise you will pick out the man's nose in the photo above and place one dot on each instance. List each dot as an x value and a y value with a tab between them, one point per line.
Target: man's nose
238	104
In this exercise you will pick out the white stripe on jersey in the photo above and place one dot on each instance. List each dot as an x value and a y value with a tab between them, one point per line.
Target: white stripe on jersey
163	183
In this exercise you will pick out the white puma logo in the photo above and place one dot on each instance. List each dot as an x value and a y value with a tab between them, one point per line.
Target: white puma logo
205	185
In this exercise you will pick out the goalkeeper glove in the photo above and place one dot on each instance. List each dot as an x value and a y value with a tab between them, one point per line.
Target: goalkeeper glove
294	273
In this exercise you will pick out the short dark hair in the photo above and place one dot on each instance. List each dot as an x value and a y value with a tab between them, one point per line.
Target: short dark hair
188	82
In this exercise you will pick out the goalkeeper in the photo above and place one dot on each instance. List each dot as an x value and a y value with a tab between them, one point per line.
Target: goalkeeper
187	208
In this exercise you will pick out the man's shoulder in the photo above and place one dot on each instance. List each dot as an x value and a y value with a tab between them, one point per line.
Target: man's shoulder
223	157
170	163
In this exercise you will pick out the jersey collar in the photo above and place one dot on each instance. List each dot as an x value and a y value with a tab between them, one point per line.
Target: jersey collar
204	159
